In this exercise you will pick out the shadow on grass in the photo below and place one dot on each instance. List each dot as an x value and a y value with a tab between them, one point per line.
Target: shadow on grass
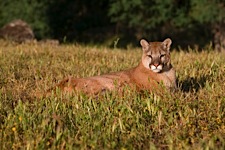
192	84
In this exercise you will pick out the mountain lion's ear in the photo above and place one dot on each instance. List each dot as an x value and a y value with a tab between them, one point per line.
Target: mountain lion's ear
145	45
167	43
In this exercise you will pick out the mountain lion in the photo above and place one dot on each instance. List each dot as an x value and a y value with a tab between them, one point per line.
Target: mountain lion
155	67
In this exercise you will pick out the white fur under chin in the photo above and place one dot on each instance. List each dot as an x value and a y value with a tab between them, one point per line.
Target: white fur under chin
156	69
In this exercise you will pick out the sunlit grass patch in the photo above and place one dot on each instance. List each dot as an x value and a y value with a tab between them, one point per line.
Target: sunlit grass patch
192	117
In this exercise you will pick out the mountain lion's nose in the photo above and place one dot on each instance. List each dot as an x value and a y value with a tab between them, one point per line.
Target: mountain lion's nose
156	64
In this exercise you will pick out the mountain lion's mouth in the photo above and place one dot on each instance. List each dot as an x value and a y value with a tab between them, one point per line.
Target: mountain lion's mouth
156	70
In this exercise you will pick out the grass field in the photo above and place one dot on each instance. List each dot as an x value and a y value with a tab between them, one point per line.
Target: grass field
191	118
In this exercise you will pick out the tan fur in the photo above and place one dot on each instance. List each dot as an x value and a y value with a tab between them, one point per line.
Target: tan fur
154	68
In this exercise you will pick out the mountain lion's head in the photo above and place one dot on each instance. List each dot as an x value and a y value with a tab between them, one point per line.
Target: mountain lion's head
156	55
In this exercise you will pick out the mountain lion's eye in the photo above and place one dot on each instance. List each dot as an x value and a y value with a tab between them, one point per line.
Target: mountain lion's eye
150	56
163	55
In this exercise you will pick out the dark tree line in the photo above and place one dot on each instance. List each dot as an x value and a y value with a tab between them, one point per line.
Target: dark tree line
187	22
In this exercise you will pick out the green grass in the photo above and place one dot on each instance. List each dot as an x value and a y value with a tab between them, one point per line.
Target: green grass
191	118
